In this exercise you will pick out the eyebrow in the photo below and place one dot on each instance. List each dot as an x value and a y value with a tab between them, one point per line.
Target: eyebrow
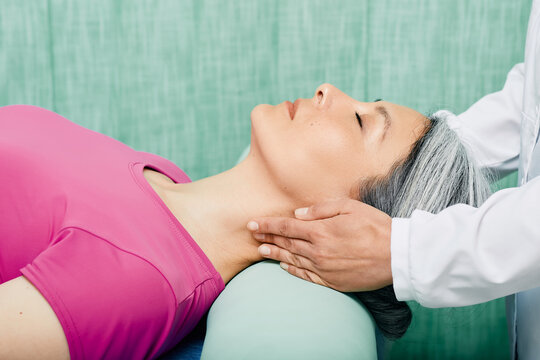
387	119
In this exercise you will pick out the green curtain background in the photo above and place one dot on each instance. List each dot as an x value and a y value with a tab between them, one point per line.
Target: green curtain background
179	78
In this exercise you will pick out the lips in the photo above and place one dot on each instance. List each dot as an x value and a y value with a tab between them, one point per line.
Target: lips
292	107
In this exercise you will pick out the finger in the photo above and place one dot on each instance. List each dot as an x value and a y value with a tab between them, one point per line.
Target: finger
303	274
282	226
279	254
325	209
296	246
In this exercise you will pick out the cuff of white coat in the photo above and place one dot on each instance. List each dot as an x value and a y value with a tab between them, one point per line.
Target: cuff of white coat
455	123
452	120
399	247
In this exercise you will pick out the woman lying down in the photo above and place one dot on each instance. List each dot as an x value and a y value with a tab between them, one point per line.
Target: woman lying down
109	253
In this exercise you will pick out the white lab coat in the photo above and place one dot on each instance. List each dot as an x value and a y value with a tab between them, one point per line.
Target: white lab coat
464	255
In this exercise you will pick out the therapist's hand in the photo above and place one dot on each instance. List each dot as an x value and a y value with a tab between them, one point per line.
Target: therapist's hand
342	244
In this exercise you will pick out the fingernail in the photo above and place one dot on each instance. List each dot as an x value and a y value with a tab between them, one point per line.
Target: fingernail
258	236
253	226
301	211
283	265
264	250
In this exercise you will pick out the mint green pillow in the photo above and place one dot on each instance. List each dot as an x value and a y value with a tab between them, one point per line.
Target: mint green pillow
267	313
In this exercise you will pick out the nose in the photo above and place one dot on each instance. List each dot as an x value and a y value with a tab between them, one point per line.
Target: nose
324	95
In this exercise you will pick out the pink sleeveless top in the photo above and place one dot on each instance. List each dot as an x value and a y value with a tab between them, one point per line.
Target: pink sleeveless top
81	223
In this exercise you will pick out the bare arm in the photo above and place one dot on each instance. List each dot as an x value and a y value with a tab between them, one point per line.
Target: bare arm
29	328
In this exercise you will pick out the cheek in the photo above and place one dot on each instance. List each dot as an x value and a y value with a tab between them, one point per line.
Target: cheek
309	161
325	163
327	148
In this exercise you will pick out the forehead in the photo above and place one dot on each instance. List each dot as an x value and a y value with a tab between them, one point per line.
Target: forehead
407	124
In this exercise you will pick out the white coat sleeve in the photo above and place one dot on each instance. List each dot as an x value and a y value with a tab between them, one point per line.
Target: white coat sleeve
466	255
490	128
452	258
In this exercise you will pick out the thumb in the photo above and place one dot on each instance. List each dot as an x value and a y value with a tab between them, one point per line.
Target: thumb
324	210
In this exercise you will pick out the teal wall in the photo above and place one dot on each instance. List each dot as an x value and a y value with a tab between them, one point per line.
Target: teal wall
179	78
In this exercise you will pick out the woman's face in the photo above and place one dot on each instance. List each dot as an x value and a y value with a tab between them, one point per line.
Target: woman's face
324	149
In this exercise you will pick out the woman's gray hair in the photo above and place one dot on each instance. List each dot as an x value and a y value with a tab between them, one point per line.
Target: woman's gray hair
438	172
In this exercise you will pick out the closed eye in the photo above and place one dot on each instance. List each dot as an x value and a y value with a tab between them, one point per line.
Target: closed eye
359	120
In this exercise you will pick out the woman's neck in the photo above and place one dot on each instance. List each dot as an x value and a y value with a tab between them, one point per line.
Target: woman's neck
215	211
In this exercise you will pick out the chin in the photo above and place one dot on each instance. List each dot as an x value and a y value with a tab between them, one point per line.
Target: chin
261	125
260	112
